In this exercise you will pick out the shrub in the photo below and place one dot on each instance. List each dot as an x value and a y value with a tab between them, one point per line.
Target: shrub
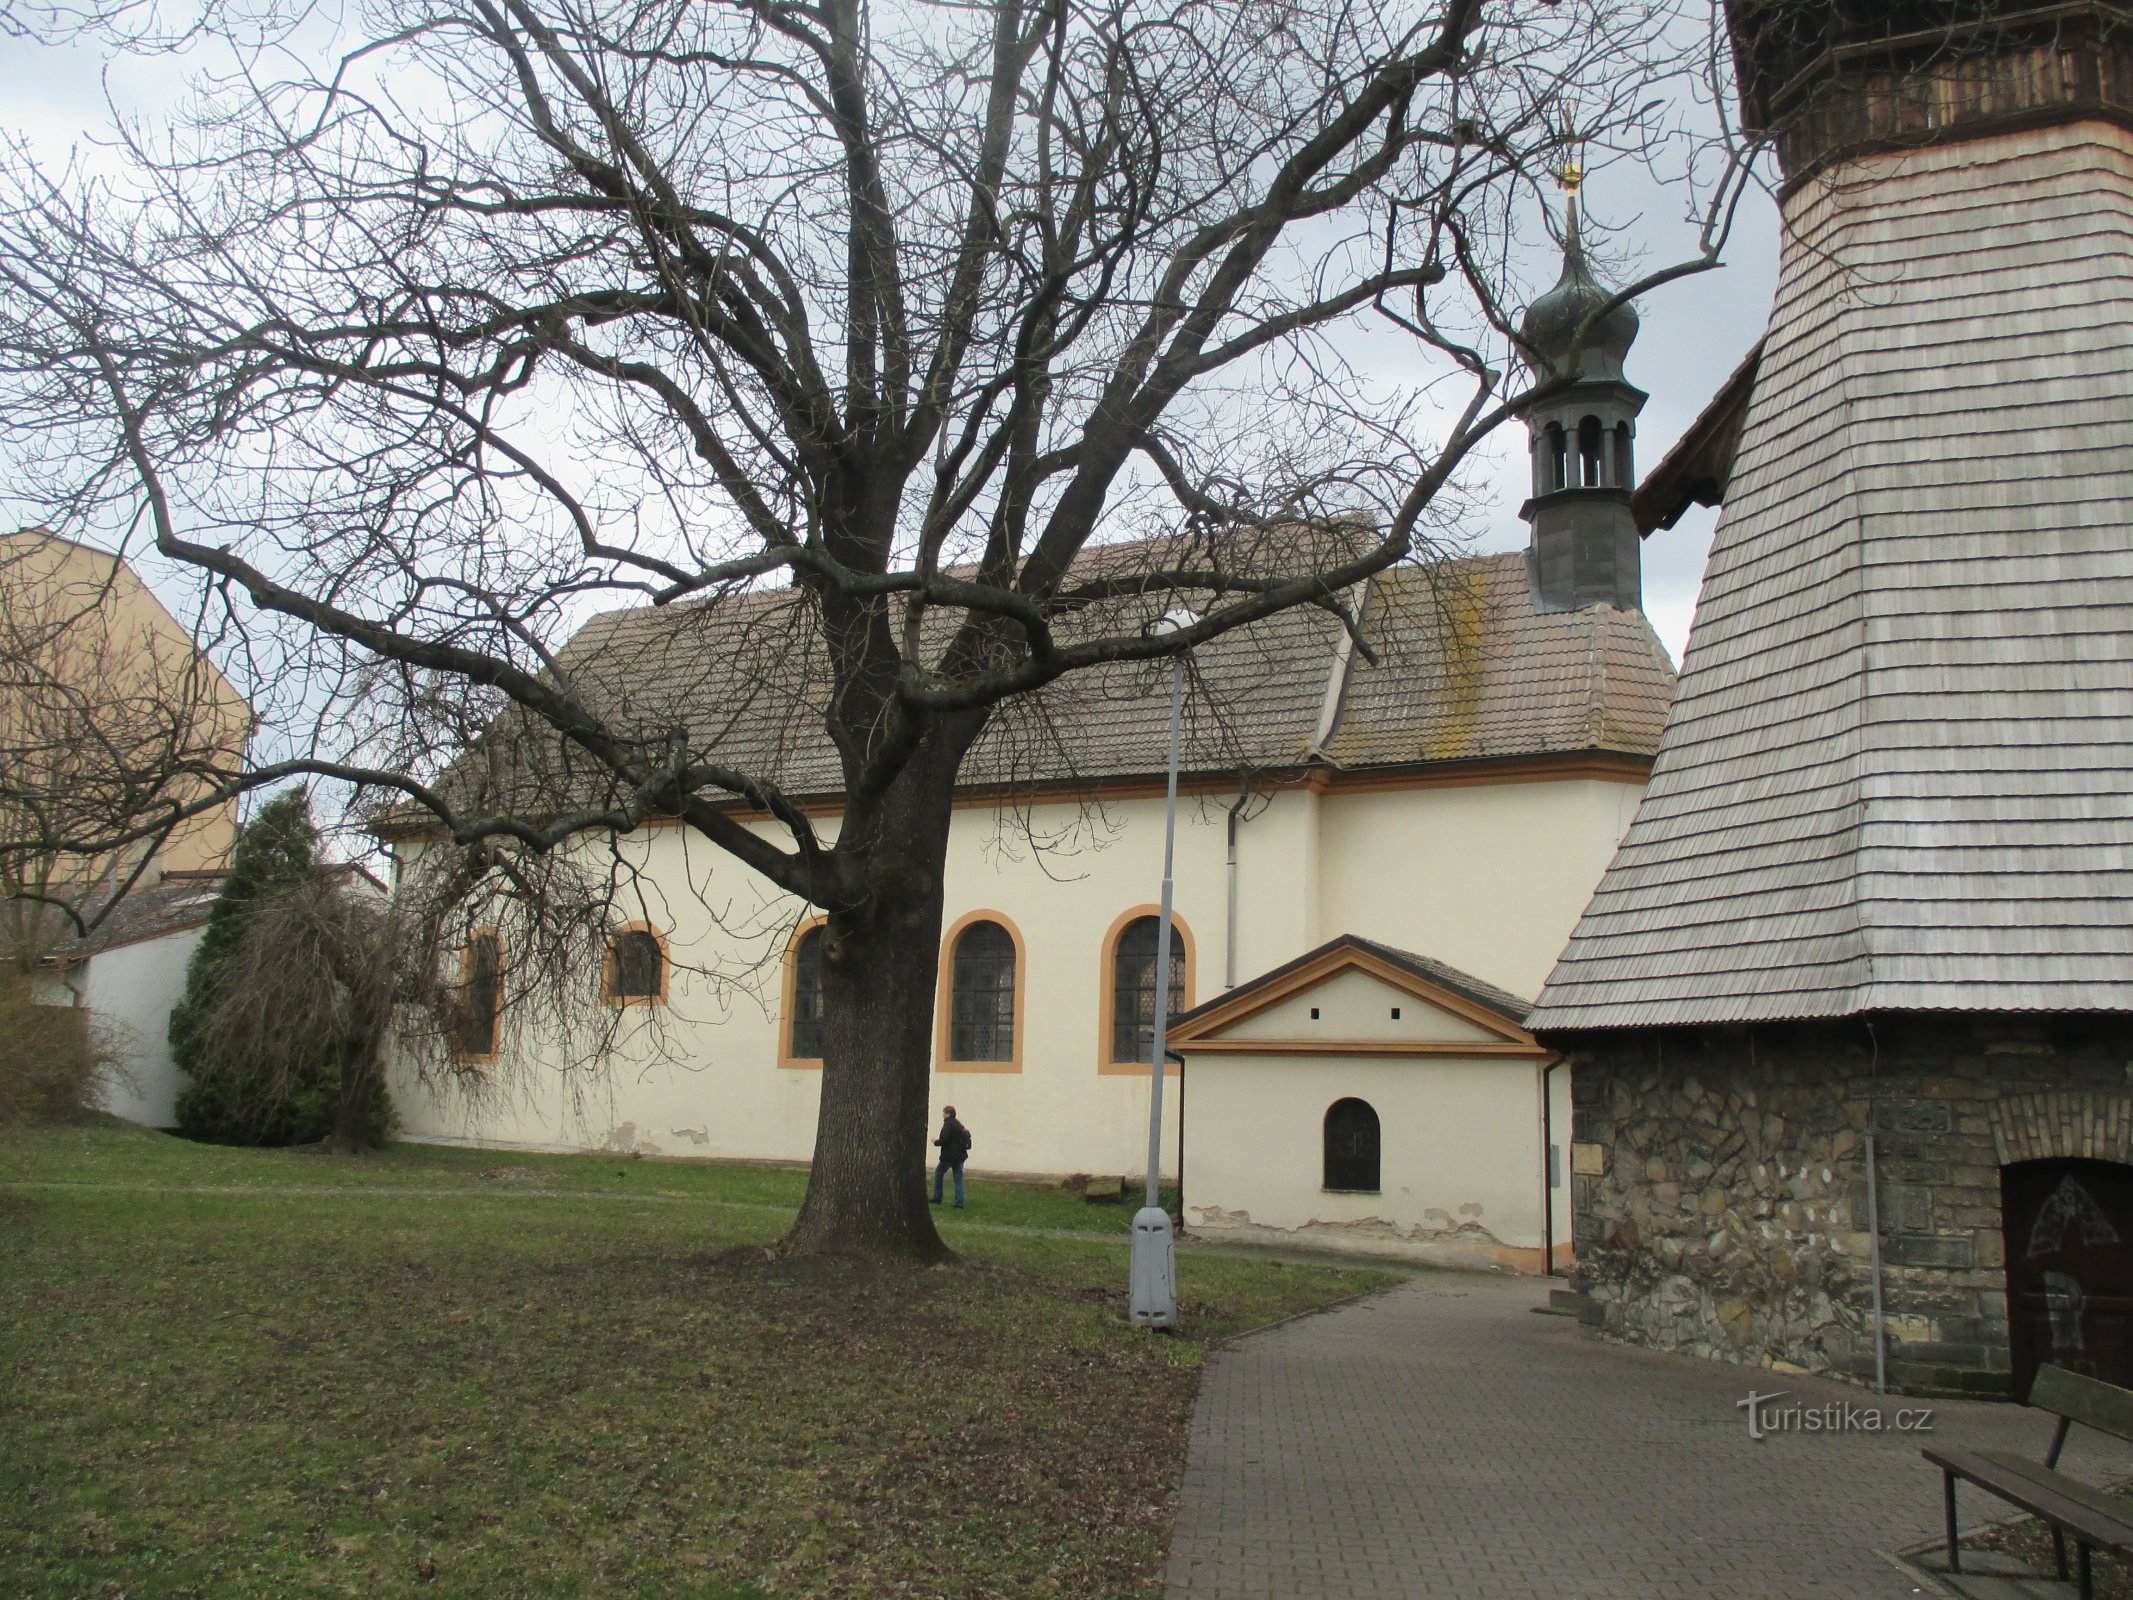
51	1063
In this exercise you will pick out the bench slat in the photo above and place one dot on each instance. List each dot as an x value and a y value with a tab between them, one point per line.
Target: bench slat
2088	1401
2106	1530
2103	1504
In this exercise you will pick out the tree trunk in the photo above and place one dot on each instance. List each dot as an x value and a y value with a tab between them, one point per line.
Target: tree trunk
359	1071
866	1193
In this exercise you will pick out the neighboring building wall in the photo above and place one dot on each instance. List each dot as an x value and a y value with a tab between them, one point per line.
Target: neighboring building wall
129	991
1414	870
120	647
1721	1183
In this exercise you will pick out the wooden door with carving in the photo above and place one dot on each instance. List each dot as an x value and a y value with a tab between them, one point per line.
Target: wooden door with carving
2069	1227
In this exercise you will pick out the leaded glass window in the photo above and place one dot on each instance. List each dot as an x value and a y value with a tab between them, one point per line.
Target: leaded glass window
1133	988
806	1041
480	994
636	967
982	995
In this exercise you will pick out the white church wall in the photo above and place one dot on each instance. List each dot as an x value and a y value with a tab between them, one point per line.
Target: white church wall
1489	878
1278	878
1460	1162
1463	876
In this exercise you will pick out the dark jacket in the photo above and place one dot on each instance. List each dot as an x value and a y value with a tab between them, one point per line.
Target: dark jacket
954	1141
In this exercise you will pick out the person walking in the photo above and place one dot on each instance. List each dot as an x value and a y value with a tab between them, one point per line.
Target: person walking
954	1142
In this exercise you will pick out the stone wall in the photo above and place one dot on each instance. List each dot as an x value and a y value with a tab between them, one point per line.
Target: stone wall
1720	1182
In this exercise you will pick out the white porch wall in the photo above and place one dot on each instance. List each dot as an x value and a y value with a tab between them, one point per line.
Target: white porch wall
129	991
1459	1164
1488	879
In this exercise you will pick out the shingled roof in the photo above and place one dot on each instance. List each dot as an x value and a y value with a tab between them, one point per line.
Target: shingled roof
1898	774
1468	668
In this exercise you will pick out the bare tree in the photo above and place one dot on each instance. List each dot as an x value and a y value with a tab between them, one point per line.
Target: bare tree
863	337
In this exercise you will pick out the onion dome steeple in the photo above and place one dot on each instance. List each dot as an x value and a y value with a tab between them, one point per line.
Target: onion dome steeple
1585	548
1549	330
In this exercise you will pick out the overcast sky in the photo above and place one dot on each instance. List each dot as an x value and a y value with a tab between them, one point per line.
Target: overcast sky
1694	331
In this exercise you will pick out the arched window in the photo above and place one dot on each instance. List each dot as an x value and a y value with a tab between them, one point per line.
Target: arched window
1589	452
481	995
981	994
1625	461
636	968
1352	1147
1553	464
803	1016
1133	990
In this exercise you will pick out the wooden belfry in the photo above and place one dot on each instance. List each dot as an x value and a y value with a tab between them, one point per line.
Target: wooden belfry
1880	890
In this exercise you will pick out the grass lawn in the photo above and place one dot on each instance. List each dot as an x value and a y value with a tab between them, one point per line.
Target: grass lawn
447	1372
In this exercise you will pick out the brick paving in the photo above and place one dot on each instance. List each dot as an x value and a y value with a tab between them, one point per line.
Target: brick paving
1440	1440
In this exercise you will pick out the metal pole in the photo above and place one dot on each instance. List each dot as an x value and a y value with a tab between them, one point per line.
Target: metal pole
1162	937
1152	1299
1873	1223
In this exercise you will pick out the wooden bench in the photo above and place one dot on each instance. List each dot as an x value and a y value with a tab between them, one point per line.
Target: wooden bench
2095	1520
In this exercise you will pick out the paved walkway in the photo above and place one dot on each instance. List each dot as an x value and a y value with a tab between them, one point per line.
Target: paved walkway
1440	1440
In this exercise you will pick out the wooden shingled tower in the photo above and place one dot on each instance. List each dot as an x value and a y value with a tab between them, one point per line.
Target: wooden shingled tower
1853	1006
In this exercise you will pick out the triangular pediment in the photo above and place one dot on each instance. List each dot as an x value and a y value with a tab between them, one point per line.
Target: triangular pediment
1356	997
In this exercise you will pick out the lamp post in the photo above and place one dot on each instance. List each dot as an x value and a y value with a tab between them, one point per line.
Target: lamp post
1153	1298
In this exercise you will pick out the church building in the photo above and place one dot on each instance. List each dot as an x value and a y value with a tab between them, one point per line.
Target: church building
1850	1016
1380	852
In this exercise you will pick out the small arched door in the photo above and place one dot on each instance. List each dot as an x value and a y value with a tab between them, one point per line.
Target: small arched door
2069	1229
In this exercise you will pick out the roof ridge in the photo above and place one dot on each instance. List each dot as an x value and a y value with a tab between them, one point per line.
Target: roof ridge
1595	682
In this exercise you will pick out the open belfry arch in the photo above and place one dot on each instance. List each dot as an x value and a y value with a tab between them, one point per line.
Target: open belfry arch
1879	893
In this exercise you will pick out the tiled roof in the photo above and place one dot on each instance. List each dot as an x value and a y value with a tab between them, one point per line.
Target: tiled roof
171	906
1468	668
1899	771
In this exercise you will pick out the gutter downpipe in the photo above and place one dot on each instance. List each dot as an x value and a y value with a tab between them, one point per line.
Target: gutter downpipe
1179	1058
1548	1171
1236	820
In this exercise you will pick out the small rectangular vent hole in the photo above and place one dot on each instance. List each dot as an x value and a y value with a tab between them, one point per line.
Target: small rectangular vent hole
1396	1013
1314	1013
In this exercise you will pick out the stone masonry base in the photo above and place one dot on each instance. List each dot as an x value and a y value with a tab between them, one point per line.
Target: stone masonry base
1720	1182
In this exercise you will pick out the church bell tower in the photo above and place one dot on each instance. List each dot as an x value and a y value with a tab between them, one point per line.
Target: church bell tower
1584	549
